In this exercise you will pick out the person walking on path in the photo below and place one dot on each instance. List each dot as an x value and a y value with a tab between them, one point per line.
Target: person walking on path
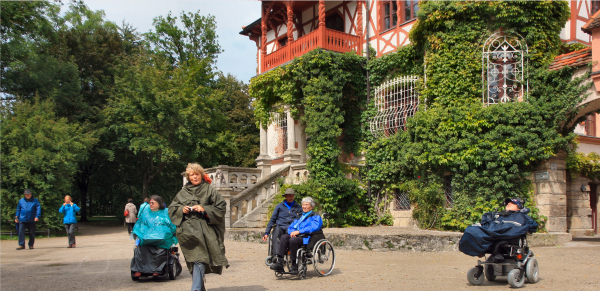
284	214
69	209
145	206
130	214
29	211
198	211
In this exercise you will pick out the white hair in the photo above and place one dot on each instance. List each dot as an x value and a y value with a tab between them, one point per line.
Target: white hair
309	200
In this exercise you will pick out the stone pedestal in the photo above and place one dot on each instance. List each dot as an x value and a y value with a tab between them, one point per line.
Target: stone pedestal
263	162
550	180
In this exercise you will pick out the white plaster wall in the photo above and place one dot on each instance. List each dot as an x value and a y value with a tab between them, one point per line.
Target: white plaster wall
270	48
580	34
584	10
587	148
352	8
270	35
565	33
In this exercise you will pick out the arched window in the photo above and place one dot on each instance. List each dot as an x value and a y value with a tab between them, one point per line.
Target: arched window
503	65
395	100
278	136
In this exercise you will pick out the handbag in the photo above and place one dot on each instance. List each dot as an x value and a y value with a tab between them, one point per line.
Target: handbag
126	212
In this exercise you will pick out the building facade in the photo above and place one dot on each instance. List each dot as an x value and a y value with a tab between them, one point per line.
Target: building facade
288	29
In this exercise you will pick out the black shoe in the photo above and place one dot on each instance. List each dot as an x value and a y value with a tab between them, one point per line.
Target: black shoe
294	269
278	267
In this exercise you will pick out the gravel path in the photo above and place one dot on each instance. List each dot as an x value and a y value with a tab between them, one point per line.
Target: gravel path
101	262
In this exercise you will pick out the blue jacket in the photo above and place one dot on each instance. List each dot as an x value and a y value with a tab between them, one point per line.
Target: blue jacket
310	224
283	216
69	212
28	209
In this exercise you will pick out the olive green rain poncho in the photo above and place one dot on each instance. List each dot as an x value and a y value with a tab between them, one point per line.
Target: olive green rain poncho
200	239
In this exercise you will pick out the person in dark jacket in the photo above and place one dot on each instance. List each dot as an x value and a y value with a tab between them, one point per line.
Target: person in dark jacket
283	215
308	223
29	211
69	209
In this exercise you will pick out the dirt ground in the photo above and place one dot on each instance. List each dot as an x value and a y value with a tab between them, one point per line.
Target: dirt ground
101	262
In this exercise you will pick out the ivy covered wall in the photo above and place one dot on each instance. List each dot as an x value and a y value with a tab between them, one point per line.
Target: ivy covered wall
489	151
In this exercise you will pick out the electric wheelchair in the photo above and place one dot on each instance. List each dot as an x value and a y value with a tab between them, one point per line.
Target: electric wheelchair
511	258
169	257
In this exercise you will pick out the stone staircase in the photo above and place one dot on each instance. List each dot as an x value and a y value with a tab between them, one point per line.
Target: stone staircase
249	208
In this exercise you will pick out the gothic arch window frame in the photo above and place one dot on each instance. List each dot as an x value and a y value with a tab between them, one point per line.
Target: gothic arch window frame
277	139
503	68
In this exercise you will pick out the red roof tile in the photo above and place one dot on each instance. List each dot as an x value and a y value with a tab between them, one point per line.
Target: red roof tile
592	23
574	59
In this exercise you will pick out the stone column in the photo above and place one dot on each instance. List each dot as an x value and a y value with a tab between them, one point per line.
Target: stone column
291	156
263	161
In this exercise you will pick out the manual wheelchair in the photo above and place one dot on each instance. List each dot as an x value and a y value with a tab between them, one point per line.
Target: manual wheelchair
511	258
320	254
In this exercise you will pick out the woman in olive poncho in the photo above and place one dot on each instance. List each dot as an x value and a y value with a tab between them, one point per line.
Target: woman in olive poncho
198	211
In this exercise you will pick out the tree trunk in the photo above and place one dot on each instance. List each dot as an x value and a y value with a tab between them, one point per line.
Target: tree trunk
83	195
83	180
150	174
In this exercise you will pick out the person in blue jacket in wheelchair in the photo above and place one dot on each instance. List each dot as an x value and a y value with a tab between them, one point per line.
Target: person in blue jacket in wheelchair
308	223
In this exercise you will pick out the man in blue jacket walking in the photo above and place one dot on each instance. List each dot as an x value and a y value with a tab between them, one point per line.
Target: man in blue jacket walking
284	214
28	213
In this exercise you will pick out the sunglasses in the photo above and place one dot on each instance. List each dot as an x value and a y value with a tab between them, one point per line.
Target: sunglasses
153	202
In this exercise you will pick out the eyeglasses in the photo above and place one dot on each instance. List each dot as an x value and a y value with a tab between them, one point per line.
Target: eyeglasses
153	202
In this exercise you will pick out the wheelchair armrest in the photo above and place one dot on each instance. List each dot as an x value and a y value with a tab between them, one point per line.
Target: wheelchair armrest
303	235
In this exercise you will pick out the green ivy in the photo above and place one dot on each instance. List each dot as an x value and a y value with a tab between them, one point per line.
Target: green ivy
490	151
582	164
327	92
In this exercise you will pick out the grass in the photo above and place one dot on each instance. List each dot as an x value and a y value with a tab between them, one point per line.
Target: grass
37	236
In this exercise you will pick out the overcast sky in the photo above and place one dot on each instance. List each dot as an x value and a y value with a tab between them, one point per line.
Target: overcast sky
239	58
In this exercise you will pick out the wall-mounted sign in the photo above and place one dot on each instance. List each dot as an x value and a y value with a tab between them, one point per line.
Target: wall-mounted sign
552	166
542	176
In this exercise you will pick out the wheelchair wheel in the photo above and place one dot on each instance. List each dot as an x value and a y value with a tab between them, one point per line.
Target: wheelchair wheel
532	271
302	272
489	273
474	277
134	278
178	268
171	271
323	257
269	261
515	278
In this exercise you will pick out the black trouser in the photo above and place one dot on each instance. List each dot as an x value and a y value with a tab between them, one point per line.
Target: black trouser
291	244
130	227
275	237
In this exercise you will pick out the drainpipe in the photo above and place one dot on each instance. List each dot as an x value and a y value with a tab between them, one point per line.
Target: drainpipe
368	82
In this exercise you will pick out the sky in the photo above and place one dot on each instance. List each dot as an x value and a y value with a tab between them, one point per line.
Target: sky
239	56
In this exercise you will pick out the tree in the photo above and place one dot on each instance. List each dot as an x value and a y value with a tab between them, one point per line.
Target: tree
39	152
237	106
197	40
166	115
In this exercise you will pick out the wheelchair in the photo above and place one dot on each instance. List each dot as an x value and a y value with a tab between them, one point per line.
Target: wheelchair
321	255
511	258
172	267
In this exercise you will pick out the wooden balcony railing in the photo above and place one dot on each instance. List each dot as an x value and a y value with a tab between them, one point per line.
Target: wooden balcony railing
325	38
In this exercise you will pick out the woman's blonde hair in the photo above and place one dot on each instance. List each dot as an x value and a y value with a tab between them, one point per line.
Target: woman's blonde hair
194	168
70	199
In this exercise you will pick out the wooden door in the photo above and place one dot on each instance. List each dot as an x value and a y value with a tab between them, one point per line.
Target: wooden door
594	206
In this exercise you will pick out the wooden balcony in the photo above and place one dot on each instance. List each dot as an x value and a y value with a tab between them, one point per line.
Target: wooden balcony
325	38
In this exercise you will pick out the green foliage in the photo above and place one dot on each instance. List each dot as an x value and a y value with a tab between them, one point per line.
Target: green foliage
237	106
582	164
39	152
328	88
197	39
489	151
